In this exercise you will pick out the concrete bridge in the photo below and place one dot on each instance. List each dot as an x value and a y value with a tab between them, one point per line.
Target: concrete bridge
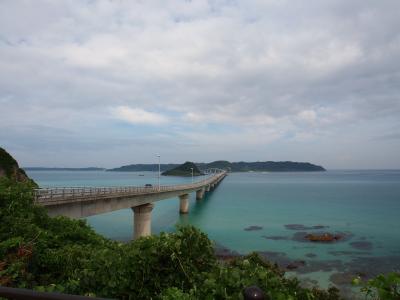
79	202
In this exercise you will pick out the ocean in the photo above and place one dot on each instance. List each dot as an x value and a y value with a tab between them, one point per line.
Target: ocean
271	213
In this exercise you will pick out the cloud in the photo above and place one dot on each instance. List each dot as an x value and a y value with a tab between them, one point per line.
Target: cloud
391	136
265	71
138	116
308	116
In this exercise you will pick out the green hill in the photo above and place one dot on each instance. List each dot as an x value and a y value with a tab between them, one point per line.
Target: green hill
184	170
219	164
262	166
143	168
275	166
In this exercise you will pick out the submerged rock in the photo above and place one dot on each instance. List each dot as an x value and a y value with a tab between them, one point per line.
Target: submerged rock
369	267
295	264
310	255
321	266
348	253
275	237
361	245
324	238
225	254
279	258
344	278
304	227
321	237
253	228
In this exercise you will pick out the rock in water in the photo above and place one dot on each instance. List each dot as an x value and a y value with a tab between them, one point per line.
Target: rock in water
325	238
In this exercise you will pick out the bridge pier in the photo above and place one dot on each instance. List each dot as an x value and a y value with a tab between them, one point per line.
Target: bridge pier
184	204
208	188
142	220
200	194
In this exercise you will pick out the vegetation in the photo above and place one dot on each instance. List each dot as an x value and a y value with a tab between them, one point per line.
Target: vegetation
184	170
267	166
381	287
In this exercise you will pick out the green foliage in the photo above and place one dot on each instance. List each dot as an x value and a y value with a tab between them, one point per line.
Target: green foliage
145	267
175	294
227	281
381	287
7	162
30	240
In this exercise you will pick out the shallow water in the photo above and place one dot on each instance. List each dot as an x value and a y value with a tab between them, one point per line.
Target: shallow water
363	206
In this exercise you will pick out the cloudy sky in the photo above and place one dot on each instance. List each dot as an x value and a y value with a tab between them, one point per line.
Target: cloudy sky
108	83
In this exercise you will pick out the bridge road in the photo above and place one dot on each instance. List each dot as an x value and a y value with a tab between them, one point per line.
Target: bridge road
80	202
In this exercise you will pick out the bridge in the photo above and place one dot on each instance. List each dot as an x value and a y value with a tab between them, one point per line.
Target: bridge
79	202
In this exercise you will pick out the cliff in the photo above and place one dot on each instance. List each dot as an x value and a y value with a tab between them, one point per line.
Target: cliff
9	168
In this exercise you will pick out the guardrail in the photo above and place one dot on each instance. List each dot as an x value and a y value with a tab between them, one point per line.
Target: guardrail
52	196
25	294
249	293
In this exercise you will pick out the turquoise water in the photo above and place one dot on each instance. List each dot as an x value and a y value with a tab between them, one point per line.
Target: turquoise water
362	206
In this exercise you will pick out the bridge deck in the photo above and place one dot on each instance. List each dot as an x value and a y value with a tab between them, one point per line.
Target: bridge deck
64	195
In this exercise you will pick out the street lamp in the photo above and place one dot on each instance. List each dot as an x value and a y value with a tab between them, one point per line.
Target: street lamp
159	171
192	174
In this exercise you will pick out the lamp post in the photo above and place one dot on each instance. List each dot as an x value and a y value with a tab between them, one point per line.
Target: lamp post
192	174
159	170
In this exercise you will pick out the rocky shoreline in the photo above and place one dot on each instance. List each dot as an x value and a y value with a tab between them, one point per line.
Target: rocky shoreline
359	263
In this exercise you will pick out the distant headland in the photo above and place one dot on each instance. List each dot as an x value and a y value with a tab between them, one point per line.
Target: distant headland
267	166
62	169
259	166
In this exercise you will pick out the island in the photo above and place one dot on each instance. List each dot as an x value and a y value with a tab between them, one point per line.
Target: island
259	166
143	168
184	170
62	169
266	166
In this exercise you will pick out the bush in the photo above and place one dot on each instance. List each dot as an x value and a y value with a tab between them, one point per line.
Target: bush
381	287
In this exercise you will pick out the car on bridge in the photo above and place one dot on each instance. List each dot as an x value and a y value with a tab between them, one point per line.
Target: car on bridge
148	185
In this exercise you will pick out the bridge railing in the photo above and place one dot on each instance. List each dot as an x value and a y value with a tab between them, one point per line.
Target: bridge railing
49	196
249	293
